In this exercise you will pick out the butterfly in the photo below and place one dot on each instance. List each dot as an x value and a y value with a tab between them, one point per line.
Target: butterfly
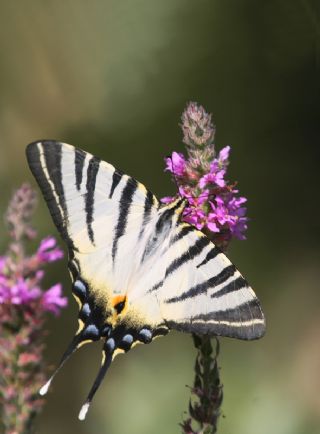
138	271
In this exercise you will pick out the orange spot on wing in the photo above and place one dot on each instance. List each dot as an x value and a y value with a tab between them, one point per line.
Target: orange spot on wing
118	299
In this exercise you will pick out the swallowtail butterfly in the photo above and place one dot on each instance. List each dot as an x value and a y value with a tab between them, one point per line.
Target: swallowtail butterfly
137	269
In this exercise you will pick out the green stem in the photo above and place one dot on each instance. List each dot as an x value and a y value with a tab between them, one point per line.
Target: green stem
206	394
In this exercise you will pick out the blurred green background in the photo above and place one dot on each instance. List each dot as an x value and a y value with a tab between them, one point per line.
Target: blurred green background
113	77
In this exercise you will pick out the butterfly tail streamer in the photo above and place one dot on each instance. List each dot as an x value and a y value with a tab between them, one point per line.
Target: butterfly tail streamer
107	357
73	346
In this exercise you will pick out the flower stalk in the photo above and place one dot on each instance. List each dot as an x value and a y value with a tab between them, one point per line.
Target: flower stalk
214	207
23	313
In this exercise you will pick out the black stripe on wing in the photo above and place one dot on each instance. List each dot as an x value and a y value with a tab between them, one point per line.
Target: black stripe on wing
233	286
148	205
163	228
48	175
233	330
202	288
215	251
188	255
53	165
245	312
186	229
125	202
79	157
116	178
92	171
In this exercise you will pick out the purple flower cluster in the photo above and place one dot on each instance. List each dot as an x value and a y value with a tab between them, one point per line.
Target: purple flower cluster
214	205
20	283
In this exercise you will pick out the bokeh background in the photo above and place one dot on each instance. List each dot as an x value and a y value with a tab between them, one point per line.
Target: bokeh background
113	76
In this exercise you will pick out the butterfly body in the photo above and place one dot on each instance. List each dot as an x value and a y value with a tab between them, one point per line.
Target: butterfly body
137	269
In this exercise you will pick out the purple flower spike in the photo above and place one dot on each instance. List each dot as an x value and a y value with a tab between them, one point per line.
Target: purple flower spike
213	202
23	312
215	208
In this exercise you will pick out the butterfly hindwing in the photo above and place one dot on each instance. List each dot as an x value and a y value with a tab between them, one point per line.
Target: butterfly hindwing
210	296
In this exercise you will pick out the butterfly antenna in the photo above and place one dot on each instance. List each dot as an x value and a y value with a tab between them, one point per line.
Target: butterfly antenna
106	362
73	346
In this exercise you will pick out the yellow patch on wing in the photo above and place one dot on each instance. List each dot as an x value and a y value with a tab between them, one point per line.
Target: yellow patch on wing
116	352
142	188
77	300
200	234
80	326
87	341
179	210
103	358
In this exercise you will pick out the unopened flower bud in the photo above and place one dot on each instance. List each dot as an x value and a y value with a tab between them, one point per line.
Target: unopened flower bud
198	129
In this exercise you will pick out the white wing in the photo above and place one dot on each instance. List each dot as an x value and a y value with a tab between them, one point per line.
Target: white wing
124	245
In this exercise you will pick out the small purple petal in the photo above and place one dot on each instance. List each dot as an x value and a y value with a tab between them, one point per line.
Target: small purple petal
224	154
167	199
212	226
48	250
46	244
219	178
213	178
176	164
20	293
52	299
39	275
194	216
